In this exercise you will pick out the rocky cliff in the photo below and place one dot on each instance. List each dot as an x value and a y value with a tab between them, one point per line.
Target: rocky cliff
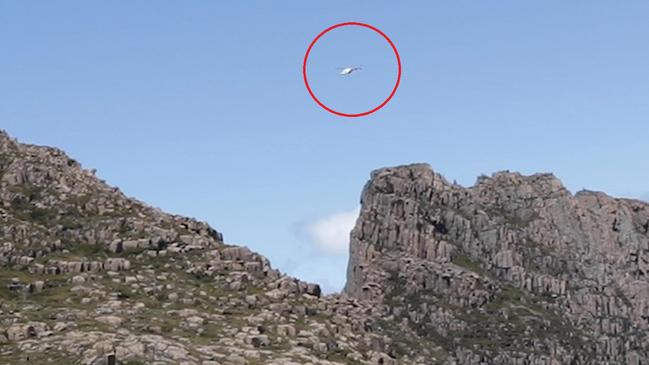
513	270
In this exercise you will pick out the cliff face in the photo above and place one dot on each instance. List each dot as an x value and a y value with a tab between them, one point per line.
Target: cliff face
513	270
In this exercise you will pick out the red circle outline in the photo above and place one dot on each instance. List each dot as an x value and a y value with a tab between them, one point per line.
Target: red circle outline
306	57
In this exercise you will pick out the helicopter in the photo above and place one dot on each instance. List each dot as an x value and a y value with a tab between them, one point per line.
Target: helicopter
349	70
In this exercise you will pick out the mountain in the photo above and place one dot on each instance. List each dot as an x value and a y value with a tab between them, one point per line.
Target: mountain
513	270
90	276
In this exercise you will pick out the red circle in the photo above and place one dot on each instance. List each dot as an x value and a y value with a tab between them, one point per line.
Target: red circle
306	82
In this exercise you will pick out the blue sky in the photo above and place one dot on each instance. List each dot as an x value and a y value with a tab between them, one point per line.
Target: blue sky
200	108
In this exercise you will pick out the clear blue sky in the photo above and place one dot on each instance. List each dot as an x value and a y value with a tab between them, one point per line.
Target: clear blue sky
199	107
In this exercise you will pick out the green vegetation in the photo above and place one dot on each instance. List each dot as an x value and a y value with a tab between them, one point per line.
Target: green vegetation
510	319
462	260
505	297
70	223
27	211
508	322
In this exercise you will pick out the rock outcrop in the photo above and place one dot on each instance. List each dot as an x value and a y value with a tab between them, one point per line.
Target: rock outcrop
513	270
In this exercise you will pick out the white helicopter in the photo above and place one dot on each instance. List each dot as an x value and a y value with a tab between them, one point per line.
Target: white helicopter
349	70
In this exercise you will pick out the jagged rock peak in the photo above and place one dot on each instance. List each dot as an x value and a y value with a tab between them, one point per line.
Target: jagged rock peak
513	259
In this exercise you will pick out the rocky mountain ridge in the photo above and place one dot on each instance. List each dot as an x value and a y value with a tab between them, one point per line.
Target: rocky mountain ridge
513	270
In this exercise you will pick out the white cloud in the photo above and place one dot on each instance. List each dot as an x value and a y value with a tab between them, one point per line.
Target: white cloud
330	234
